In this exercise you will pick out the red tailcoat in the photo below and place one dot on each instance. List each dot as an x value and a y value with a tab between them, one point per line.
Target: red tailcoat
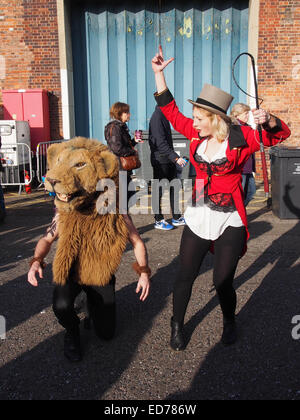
242	142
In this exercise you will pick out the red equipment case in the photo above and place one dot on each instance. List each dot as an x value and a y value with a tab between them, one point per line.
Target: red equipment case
30	105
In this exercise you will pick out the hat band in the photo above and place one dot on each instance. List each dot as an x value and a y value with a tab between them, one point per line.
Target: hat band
210	104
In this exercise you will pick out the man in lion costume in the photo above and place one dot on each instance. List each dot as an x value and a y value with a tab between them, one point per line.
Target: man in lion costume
90	242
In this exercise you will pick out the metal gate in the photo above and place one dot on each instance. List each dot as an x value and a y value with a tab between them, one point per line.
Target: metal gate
16	162
113	46
41	158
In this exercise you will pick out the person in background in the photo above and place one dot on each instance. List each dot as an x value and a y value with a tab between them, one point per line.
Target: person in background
118	138
164	161
240	116
2	202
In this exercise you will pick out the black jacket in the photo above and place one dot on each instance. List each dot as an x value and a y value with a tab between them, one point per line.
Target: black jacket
118	139
160	139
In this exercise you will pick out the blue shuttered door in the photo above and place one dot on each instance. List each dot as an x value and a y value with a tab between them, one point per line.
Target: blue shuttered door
113	48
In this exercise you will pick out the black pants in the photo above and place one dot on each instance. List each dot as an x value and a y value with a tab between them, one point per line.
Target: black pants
227	250
165	171
101	306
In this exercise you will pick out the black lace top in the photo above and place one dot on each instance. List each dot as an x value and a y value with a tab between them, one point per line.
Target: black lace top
222	202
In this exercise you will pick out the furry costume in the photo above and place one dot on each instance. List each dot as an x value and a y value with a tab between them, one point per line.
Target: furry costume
90	244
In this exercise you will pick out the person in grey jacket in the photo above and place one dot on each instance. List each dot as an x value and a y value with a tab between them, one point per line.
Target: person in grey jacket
164	160
240	116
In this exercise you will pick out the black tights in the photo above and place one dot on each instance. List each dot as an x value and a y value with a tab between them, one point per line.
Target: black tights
101	306
227	250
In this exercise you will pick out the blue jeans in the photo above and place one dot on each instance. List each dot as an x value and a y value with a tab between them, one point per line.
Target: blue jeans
249	187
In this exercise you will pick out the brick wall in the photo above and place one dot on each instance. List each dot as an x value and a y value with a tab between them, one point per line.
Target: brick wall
279	63
29	48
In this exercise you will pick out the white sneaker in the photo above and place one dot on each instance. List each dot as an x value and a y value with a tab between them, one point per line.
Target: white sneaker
178	222
163	225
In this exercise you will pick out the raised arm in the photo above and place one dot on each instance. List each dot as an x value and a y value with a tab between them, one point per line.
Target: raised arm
274	130
166	101
158	66
41	251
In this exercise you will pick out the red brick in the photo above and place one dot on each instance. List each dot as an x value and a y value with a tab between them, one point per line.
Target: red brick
32	52
279	42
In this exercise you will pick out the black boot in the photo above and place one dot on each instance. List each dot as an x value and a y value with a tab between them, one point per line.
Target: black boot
72	348
177	338
229	336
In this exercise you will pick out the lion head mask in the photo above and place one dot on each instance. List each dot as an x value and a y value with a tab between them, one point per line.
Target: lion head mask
74	169
90	244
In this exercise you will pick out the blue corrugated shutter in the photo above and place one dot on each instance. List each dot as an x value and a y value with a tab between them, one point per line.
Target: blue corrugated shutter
112	53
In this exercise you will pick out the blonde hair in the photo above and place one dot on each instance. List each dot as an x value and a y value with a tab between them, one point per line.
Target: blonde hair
220	128
237	110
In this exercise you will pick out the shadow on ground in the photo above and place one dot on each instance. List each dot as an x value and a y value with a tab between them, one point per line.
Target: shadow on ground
263	364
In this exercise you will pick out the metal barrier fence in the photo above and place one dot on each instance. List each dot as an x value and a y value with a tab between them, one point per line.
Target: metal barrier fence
16	162
41	157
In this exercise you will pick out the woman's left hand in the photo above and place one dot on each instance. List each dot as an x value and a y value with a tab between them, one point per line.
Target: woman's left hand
260	116
144	285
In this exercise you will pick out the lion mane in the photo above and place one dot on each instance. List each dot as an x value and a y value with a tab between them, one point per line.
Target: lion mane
90	245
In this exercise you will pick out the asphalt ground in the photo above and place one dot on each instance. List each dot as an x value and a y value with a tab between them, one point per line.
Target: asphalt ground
138	363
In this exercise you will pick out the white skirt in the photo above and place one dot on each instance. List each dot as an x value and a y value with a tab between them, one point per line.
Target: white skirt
210	224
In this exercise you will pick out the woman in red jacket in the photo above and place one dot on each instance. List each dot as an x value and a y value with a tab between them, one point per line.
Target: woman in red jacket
217	219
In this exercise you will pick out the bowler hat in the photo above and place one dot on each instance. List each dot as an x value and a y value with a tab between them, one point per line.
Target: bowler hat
214	100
